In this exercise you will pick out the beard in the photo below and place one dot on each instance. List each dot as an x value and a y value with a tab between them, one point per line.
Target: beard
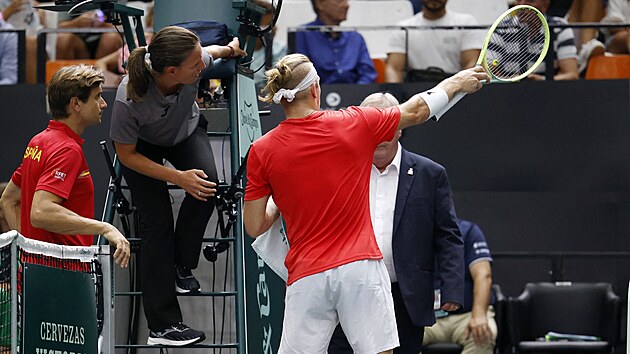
434	5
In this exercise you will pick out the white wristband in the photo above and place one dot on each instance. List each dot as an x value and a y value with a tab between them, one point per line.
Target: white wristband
436	99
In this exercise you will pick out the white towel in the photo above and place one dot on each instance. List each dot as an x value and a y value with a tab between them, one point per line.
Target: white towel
272	247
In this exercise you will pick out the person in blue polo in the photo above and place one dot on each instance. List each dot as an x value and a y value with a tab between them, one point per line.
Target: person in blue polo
473	325
339	57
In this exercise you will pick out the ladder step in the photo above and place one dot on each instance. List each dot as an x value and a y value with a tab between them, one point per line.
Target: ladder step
197	346
219	133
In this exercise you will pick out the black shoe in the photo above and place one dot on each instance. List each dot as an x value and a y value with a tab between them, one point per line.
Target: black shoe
176	335
185	282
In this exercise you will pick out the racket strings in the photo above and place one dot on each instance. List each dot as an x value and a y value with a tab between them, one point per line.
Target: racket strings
515	45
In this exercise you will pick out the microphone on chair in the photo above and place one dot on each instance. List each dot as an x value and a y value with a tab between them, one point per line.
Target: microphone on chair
211	253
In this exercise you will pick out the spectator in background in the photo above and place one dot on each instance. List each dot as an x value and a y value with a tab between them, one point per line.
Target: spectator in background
433	54
113	63
86	45
8	54
472	326
339	57
414	223
618	11
266	54
22	15
565	64
587	42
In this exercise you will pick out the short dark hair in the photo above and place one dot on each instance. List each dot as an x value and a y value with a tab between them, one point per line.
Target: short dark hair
71	81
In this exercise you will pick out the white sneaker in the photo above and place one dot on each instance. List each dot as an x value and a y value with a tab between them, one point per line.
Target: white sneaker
589	49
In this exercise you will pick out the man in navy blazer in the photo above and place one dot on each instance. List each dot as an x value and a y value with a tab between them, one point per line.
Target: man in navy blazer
415	228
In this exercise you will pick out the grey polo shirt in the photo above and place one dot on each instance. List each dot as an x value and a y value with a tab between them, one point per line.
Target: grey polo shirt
158	119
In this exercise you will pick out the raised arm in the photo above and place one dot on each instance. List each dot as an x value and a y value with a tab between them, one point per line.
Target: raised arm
232	49
418	108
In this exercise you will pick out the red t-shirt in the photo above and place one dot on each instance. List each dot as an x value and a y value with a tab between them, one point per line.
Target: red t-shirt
54	162
317	169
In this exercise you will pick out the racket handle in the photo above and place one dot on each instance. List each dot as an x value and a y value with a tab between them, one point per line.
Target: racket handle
458	96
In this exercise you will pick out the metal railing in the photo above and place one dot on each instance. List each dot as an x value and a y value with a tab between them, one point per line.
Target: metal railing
549	73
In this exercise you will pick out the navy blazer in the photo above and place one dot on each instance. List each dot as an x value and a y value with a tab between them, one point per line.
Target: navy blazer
425	230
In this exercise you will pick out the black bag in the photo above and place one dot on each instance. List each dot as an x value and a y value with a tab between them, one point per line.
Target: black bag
429	74
209	32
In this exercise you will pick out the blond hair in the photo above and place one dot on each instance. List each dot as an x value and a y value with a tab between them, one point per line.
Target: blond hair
71	81
287	73
169	47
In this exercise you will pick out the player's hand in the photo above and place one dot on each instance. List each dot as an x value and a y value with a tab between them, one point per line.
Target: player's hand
236	45
123	250
466	81
194	183
479	329
472	80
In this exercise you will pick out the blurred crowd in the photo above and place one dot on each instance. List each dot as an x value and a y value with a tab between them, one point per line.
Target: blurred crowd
339	56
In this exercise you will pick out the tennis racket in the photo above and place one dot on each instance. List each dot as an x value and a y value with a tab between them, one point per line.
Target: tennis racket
515	45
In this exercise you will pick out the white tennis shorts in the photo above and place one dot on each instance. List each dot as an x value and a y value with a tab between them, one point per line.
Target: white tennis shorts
357	295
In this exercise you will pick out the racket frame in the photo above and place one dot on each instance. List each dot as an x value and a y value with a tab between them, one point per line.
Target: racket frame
482	56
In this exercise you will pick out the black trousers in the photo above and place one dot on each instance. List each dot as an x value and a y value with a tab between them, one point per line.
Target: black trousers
163	243
409	335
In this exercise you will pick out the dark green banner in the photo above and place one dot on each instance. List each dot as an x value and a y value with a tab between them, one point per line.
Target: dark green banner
265	303
264	290
59	311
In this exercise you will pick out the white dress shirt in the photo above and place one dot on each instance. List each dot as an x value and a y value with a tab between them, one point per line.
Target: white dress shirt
383	189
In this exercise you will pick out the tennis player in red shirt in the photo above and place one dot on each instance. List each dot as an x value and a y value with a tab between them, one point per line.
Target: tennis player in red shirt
316	165
51	195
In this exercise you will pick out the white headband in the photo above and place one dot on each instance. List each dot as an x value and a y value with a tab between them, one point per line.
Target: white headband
308	80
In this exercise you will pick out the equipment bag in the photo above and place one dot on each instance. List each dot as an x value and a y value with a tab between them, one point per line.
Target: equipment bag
209	32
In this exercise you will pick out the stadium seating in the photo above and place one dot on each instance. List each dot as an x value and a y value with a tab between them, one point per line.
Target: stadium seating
591	309
609	67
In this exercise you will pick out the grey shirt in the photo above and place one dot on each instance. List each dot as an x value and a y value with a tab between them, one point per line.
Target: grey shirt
158	119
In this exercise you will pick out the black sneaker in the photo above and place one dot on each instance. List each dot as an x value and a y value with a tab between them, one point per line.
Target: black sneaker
185	282
176	335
